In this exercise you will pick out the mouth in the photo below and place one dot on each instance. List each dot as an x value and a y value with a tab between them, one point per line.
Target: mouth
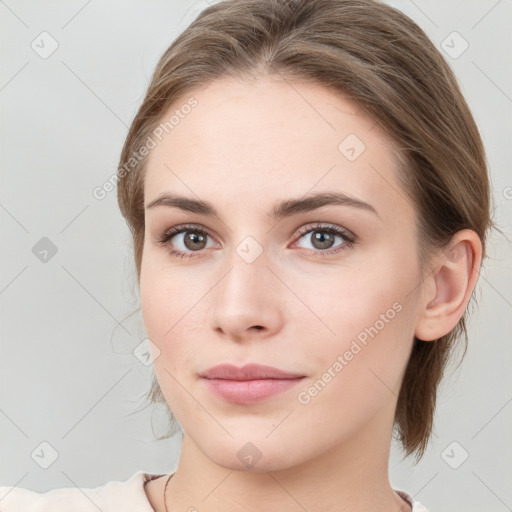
249	384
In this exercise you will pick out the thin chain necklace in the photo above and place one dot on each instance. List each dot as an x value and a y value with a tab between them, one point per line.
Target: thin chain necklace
165	489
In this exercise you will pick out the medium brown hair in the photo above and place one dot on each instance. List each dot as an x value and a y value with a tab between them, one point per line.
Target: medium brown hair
380	59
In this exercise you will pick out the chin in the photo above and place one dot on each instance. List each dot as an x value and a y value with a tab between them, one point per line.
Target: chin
251	453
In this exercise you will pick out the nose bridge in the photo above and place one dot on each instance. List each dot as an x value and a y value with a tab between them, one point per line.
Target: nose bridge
245	295
247	262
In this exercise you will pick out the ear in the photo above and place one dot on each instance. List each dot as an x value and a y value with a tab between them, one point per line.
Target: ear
448	287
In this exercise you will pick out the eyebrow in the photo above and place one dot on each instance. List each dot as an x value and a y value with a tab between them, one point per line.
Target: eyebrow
280	210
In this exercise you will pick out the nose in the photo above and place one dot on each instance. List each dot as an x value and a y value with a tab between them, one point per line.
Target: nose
247	300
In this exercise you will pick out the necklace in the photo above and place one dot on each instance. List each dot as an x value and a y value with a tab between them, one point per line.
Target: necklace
165	489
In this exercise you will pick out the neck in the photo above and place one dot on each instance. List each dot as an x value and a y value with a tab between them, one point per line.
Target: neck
352	476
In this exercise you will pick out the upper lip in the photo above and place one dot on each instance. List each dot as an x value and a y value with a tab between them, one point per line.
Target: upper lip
248	372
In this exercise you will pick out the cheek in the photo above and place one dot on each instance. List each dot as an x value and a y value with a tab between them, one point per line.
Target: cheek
164	294
359	368
365	319
341	303
172	312
170	319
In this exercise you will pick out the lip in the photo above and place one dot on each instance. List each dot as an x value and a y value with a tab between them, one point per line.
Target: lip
250	371
250	384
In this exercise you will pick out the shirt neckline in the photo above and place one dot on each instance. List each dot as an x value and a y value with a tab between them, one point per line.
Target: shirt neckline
147	477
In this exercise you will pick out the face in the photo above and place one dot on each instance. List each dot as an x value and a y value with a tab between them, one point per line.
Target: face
327	289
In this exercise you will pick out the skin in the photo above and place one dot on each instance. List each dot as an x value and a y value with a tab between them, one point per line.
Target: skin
247	145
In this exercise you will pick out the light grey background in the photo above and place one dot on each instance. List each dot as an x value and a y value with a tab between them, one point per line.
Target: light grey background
68	376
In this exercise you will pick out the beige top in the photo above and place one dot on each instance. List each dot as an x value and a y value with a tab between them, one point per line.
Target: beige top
128	496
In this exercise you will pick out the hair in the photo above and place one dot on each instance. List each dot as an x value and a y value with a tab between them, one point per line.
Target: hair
376	56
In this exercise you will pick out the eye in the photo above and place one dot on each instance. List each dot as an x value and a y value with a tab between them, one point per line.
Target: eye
188	239
191	238
322	239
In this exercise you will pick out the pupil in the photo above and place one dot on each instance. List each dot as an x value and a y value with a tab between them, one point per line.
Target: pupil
325	239
193	238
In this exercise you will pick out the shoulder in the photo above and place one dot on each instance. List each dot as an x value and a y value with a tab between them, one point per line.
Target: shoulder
415	505
115	496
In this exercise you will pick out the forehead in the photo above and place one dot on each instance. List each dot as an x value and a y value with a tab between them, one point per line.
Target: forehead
270	137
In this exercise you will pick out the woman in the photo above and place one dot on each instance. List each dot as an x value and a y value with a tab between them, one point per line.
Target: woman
309	202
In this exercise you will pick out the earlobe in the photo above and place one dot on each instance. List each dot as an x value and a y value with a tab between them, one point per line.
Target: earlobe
449	286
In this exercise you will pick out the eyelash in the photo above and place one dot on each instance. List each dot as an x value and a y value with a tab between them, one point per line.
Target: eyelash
349	238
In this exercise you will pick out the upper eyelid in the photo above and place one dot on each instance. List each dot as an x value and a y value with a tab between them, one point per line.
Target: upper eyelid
324	225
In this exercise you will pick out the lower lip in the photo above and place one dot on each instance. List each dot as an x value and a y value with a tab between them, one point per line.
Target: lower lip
249	391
